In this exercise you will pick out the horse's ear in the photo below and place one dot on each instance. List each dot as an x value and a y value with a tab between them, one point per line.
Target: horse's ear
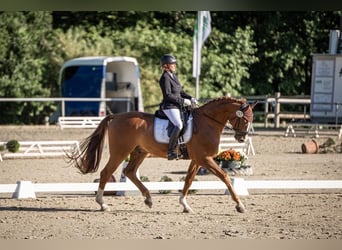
244	106
253	104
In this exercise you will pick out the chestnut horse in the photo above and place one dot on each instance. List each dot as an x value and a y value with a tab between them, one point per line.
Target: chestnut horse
131	134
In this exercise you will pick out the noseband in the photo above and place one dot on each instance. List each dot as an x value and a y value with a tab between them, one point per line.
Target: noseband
242	116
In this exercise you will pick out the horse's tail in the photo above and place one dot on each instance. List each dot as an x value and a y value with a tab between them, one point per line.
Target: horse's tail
87	158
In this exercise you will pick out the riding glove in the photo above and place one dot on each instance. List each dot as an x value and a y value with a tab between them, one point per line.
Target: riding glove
187	102
194	101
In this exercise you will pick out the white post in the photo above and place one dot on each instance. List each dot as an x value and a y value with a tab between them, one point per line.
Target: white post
24	190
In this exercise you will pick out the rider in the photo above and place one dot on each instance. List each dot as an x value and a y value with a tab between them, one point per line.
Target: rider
173	99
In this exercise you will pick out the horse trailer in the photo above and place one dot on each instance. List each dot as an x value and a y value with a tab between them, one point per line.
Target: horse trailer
100	77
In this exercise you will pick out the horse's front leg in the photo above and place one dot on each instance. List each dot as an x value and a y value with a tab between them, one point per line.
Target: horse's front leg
211	165
192	170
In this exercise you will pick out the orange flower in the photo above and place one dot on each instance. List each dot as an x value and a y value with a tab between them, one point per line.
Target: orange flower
229	155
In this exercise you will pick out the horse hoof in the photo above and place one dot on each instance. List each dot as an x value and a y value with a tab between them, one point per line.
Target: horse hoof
148	202
188	210
105	208
240	208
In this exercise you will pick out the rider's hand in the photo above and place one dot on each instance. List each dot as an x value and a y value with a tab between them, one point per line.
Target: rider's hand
194	101
187	102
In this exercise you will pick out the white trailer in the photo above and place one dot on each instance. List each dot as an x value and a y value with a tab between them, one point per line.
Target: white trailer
101	77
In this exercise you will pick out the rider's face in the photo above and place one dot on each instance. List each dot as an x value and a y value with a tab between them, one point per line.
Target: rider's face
172	67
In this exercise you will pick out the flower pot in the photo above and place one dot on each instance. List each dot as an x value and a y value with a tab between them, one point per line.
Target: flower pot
310	147
231	164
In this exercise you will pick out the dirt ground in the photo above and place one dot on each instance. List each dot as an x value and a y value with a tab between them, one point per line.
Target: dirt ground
271	214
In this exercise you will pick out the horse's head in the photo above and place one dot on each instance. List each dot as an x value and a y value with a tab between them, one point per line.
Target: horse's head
242	120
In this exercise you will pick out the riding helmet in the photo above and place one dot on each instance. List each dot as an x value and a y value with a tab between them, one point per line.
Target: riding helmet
167	59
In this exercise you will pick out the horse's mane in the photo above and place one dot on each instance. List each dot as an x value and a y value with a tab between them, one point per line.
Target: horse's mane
248	114
228	99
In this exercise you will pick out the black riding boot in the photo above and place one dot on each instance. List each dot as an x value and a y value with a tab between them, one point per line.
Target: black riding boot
173	143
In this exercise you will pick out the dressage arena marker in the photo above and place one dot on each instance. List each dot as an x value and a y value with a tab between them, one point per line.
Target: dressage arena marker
24	189
41	149
27	189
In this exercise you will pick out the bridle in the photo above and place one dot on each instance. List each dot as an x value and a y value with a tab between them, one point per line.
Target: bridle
240	119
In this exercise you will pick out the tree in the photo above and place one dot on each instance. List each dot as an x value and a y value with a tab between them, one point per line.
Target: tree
247	53
226	62
285	43
25	39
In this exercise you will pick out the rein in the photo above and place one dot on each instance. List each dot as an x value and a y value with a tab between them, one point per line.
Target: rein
220	123
242	116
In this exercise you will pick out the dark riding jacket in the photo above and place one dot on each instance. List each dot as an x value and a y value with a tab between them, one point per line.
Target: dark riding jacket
173	94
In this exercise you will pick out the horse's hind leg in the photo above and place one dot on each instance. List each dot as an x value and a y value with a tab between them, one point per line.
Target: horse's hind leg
137	156
192	171
106	173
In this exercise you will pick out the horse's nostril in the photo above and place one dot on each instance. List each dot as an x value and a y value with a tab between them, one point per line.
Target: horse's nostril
240	139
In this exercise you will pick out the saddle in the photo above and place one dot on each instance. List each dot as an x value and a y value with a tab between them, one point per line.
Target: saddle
163	127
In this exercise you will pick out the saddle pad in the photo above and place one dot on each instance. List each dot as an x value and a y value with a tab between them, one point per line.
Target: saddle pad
160	131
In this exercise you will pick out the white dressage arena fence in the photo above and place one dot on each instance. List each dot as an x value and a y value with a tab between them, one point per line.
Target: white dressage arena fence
27	189
296	129
79	121
230	142
30	149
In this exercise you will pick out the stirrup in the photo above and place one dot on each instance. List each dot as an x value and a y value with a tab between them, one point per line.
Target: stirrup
172	156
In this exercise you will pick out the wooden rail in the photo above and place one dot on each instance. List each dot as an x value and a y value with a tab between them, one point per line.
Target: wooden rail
272	105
